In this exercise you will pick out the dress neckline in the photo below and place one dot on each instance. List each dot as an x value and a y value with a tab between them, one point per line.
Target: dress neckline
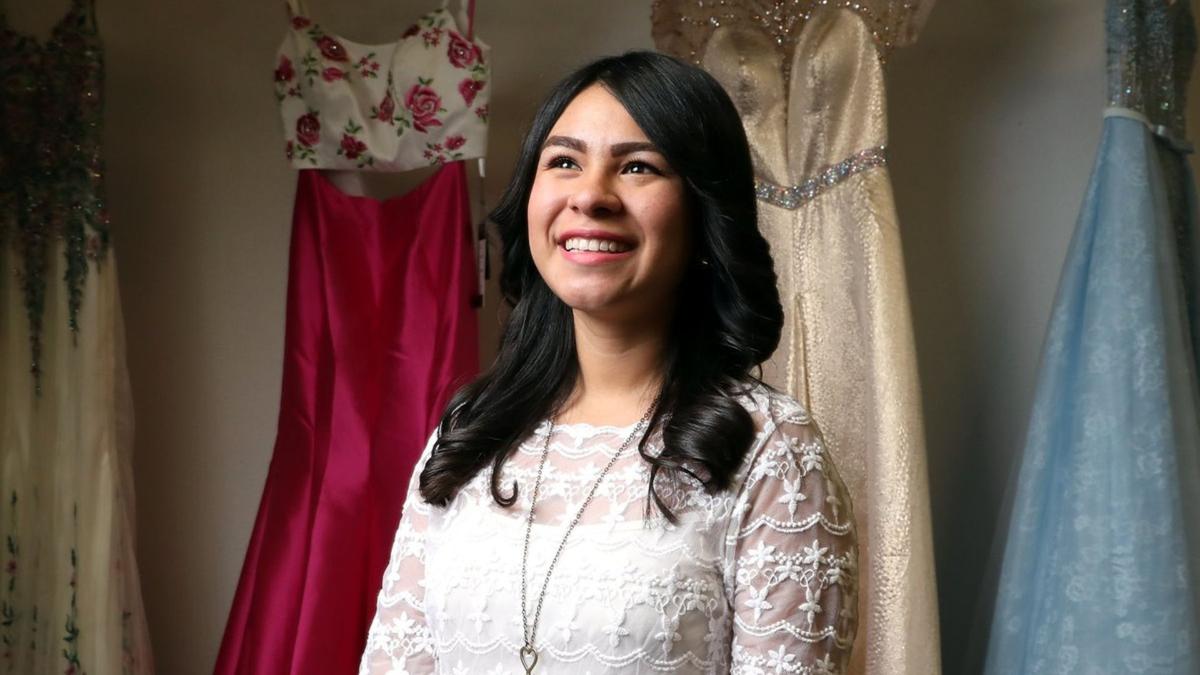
383	46
56	28
586	428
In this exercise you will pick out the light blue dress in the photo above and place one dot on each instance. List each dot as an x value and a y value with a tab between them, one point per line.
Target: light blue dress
1100	568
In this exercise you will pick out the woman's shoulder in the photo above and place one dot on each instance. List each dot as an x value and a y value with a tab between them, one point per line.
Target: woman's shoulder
783	431
770	408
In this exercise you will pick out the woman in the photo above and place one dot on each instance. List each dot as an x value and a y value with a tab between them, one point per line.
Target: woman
685	518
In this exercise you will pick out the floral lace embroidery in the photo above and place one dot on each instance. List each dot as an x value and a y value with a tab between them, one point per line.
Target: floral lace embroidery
761	578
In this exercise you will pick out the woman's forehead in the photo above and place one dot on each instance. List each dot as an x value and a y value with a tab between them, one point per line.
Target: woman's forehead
597	120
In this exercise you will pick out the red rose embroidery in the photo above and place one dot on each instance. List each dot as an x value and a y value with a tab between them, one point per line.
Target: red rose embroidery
285	72
308	129
462	52
352	147
289	150
469	88
387	109
300	23
424	104
482	112
455	142
412	30
331	49
332	74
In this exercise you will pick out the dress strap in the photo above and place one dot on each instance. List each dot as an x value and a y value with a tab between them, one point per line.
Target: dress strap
88	7
470	28
297	8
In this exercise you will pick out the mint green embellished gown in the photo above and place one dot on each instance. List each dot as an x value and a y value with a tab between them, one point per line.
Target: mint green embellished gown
70	600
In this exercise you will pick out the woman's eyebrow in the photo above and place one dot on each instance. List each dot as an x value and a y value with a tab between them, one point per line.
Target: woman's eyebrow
566	142
618	149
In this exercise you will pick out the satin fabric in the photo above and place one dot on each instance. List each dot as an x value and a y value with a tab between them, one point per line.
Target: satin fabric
380	333
70	593
847	350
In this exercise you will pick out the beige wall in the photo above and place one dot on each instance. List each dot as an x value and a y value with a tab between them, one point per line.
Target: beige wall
995	121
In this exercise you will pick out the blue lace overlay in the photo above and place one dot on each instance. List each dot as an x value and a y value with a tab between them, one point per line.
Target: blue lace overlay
1101	564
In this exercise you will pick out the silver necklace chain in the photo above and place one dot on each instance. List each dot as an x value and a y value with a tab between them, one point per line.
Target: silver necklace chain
528	654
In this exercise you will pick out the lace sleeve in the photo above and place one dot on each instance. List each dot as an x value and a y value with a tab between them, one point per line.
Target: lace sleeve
399	640
794	560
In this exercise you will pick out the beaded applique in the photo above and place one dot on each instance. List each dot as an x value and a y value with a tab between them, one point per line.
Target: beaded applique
51	170
794	196
1151	46
682	27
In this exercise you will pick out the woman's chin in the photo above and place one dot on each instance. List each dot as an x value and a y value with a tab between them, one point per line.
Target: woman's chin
593	301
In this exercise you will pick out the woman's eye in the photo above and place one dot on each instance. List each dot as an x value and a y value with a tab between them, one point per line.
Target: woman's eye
560	162
641	167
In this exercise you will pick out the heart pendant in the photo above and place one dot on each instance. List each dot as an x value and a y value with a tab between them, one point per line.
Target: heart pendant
529	658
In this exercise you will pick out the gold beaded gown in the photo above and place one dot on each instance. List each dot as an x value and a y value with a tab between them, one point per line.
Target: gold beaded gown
807	79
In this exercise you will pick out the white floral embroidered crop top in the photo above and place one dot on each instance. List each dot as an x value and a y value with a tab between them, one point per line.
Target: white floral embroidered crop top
419	101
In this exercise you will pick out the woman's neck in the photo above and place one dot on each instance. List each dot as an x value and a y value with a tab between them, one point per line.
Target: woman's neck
620	370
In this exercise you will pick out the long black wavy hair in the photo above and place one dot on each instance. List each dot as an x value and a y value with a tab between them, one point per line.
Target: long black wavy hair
727	320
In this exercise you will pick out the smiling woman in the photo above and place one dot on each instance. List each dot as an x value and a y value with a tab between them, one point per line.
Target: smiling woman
602	184
619	493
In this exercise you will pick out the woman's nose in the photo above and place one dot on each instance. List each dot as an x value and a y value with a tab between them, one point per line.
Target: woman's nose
594	196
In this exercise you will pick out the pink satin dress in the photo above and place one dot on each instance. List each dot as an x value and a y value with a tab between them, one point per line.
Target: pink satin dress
380	333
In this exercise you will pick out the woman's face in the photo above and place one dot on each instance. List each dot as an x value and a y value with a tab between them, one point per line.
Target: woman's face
607	216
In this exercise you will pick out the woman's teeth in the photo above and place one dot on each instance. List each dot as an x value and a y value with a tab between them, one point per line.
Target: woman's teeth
604	245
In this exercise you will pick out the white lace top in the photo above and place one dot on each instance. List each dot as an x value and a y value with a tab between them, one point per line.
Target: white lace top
758	579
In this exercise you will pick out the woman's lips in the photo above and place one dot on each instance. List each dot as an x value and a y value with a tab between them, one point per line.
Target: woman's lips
591	258
582	243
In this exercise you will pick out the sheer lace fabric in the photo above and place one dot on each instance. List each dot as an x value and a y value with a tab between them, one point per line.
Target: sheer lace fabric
760	578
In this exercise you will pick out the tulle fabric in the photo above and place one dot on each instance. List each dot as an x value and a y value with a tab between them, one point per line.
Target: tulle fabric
1100	569
69	591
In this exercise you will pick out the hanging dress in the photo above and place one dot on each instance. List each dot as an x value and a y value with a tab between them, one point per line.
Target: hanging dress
70	598
807	80
1102	559
380	330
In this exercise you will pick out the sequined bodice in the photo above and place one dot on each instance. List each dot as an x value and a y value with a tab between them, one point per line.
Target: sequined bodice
801	140
50	163
683	27
1151	48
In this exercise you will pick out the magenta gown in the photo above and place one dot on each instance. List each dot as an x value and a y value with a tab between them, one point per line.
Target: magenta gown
380	333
